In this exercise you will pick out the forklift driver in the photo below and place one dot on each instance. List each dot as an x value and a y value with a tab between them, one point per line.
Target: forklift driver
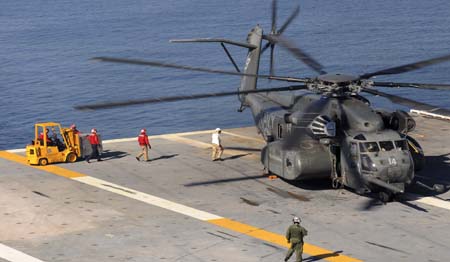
41	138
56	141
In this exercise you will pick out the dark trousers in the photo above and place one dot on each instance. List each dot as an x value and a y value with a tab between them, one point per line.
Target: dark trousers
94	153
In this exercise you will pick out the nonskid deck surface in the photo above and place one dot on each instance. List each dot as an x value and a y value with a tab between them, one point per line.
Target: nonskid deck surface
181	206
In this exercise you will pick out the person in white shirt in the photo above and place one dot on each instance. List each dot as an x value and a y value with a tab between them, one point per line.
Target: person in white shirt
217	148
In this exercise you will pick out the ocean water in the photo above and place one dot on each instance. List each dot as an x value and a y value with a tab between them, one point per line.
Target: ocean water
45	47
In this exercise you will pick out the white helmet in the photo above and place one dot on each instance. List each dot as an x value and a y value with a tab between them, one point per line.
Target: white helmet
296	220
143	131
218	129
94	130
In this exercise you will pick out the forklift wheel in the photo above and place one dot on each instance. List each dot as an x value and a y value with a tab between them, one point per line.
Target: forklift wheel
71	158
43	161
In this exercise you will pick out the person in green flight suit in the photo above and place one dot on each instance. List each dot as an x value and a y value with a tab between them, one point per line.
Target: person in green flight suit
294	236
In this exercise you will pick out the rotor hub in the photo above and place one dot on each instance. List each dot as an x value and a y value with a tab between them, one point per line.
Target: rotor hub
338	84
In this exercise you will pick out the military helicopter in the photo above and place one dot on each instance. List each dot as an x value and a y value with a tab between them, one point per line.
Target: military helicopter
328	131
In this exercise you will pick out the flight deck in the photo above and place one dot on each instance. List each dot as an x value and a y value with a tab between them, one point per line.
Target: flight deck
181	206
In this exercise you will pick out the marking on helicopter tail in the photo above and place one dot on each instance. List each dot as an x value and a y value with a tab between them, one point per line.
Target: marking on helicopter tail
13	255
178	208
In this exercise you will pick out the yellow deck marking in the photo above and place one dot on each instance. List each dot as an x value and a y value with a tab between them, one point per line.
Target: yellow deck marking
279	239
51	168
178	208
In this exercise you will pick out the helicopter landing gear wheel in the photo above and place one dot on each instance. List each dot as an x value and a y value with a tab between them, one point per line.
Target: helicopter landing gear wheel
71	158
385	196
439	188
43	161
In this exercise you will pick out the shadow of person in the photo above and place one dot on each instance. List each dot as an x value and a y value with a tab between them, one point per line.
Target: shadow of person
322	256
108	155
163	157
243	148
234	157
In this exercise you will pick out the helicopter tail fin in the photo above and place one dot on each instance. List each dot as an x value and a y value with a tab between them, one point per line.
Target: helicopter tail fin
252	62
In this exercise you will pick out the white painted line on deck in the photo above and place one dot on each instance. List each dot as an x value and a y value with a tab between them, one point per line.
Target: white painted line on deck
257	139
14	255
18	150
432	201
146	198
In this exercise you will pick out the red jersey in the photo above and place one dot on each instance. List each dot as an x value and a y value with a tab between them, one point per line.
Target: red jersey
41	137
93	139
143	140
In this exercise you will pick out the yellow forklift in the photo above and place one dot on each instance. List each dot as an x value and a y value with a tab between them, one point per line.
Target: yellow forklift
61	145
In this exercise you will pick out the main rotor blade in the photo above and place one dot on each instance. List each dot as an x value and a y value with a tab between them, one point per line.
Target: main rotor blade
265	47
413	85
297	52
407	67
197	69
272	47
290	19
184	97
409	102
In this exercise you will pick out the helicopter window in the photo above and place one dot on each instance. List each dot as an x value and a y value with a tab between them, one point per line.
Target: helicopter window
280	131
369	147
360	137
401	145
386	145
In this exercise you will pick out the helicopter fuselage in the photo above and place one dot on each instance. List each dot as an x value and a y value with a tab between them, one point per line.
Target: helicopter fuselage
314	136
327	134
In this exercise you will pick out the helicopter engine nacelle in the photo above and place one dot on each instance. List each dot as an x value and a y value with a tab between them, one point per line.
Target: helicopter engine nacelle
308	160
399	121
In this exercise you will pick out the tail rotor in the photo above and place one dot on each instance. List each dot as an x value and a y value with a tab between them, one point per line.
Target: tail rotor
275	32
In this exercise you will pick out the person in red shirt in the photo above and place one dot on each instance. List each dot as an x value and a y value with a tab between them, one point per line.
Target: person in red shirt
94	141
144	144
74	128
42	136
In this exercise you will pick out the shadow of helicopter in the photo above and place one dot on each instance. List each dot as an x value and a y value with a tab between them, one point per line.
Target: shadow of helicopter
431	181
313	184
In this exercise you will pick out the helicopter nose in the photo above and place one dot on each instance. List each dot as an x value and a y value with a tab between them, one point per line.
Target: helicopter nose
392	161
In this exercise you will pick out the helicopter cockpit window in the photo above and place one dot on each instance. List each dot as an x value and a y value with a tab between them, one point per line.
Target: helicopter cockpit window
369	147
401	145
360	137
386	145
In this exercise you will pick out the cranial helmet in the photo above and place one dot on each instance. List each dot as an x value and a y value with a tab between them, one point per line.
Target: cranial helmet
218	129
296	220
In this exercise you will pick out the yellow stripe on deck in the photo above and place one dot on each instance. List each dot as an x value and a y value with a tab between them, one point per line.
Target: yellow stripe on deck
51	168
279	240
181	209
